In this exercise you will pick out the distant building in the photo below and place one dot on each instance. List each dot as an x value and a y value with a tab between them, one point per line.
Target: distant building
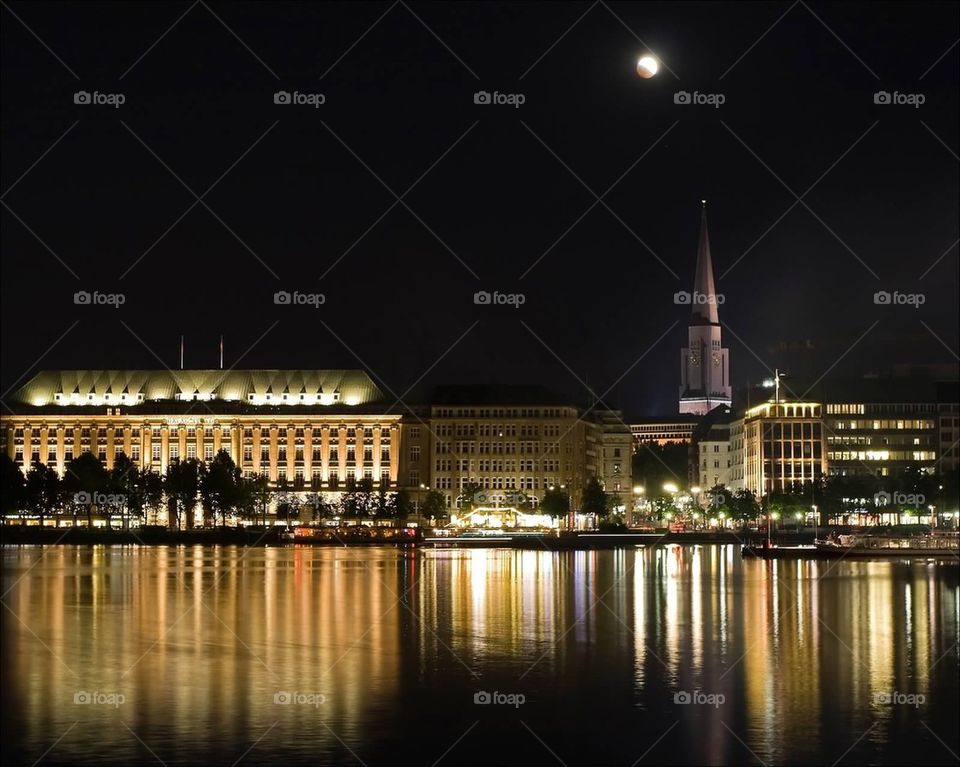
875	426
616	454
705	363
884	426
514	442
312	430
777	445
715	458
316	431
667	430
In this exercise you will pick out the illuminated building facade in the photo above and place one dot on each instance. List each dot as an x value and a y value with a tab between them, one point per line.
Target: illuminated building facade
313	429
705	363
671	430
884	427
512	441
882	439
777	444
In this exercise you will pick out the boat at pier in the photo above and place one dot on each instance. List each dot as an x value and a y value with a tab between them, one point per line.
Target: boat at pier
944	546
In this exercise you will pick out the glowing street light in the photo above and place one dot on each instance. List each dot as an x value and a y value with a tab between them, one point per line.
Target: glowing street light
670	487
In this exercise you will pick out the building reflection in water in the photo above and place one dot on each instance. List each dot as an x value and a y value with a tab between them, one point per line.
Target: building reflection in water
200	640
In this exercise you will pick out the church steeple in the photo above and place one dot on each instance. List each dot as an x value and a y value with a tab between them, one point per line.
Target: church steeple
704	300
704	363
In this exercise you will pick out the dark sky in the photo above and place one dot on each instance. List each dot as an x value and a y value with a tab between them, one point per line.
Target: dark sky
797	97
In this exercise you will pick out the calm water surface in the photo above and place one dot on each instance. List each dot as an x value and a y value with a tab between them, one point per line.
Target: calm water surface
375	656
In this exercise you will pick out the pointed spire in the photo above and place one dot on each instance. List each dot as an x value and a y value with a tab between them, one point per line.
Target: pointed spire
704	300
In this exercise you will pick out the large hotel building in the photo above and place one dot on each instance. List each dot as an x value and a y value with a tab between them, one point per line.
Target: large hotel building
314	431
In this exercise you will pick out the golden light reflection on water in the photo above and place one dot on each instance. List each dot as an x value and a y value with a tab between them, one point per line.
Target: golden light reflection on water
200	640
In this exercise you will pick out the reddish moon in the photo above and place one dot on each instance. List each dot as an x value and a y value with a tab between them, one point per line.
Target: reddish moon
647	67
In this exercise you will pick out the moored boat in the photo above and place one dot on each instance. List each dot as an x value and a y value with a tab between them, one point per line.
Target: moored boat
944	546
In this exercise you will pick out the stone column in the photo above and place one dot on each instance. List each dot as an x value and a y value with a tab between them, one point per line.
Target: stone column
307	454
273	453
257	469
342	451
395	453
236	441
60	449
291	453
164	447
325	453
146	449
375	451
111	445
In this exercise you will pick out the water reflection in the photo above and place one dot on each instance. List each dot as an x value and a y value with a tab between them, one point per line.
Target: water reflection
201	641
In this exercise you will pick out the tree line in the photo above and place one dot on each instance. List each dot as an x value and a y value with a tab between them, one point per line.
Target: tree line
125	490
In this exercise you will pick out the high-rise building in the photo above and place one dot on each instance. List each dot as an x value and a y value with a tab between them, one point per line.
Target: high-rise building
704	364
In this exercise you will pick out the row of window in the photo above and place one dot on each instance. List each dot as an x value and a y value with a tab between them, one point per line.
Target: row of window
882	455
496	430
500	412
498	448
508	465
883	424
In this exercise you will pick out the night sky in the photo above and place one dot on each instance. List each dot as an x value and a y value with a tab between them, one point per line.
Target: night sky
300	195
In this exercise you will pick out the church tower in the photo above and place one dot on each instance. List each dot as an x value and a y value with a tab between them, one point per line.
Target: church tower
704	364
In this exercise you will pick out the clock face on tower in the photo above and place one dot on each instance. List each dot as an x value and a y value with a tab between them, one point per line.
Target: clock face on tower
694	359
716	359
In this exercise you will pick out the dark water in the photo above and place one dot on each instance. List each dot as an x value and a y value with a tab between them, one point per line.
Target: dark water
383	653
